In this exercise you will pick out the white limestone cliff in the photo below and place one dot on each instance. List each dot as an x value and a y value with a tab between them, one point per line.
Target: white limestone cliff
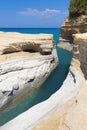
25	63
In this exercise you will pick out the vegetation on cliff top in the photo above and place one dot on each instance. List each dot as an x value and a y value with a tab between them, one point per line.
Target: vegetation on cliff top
77	8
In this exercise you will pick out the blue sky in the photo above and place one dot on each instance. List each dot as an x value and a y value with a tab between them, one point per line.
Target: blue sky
33	13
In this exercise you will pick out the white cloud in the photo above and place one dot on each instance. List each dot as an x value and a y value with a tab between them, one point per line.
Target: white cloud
50	11
36	12
29	12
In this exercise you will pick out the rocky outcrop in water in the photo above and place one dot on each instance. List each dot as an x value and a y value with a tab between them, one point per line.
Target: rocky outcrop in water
25	63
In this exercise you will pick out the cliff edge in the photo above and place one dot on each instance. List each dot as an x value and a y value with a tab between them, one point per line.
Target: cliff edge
75	23
26	61
80	50
73	36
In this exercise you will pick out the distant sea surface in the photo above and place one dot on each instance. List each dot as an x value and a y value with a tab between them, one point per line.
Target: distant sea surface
53	83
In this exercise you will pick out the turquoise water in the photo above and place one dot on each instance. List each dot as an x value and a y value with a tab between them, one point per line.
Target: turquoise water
52	84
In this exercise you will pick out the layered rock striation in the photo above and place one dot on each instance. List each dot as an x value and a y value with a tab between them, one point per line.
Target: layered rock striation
67	108
73	35
72	26
72	115
38	117
80	50
25	63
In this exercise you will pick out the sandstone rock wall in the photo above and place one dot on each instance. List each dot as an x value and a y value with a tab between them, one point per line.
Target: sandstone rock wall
80	50
72	115
72	26
74	37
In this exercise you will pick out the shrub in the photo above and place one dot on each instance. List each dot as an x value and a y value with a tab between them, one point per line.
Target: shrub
77	8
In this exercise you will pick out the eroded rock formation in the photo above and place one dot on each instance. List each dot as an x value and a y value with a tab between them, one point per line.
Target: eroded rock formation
71	116
25	63
73	35
67	108
72	26
38	117
80	50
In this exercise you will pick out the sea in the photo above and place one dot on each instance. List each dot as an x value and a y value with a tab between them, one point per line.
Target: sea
52	84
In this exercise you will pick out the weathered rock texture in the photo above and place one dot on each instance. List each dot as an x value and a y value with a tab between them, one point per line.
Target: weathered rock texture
71	116
72	26
58	105
67	108
16	42
80	50
25	63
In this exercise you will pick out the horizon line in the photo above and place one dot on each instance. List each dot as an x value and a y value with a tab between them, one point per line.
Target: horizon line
28	27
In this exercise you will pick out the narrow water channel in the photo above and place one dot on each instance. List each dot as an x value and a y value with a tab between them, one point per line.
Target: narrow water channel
52	84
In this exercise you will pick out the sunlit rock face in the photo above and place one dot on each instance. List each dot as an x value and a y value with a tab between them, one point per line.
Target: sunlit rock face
80	42
72	114
67	108
72	26
52	113
25	63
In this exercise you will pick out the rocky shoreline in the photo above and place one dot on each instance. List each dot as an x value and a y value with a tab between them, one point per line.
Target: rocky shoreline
72	114
68	91
66	109
52	114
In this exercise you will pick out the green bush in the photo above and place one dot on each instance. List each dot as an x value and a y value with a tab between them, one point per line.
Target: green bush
77	8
